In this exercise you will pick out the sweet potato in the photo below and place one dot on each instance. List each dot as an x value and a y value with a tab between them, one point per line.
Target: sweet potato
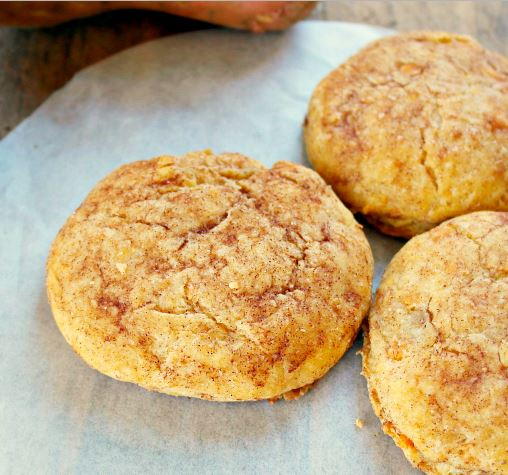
253	16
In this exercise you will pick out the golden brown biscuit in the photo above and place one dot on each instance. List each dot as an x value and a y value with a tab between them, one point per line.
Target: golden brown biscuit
413	130
211	276
436	351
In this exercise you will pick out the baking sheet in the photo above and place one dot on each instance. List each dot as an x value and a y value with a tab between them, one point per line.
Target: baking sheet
223	90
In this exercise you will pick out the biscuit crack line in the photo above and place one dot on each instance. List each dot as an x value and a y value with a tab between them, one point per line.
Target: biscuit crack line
206	228
423	160
477	241
193	310
232	331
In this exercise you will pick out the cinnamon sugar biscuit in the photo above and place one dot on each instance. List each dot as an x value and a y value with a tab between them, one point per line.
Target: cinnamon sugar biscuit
436	352
413	130
211	276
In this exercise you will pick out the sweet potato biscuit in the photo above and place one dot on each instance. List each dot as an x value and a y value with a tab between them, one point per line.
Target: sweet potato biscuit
436	351
413	130
211	276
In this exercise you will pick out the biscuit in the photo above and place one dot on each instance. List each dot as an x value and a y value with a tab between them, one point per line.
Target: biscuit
211	276
436	351
413	130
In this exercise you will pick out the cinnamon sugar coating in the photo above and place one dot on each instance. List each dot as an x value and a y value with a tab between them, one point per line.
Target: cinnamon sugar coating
211	276
413	130
436	351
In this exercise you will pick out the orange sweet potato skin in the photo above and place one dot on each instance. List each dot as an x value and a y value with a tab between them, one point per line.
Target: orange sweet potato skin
253	16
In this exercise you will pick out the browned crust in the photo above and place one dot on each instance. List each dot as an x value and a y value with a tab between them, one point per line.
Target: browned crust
413	130
435	352
211	276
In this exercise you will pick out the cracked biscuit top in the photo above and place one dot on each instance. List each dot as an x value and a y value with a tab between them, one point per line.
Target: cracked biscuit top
436	352
413	130
211	276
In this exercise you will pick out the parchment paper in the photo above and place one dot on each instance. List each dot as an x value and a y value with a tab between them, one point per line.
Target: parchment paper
214	89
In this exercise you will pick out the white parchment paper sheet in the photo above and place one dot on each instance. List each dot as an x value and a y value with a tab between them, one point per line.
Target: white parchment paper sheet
223	90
